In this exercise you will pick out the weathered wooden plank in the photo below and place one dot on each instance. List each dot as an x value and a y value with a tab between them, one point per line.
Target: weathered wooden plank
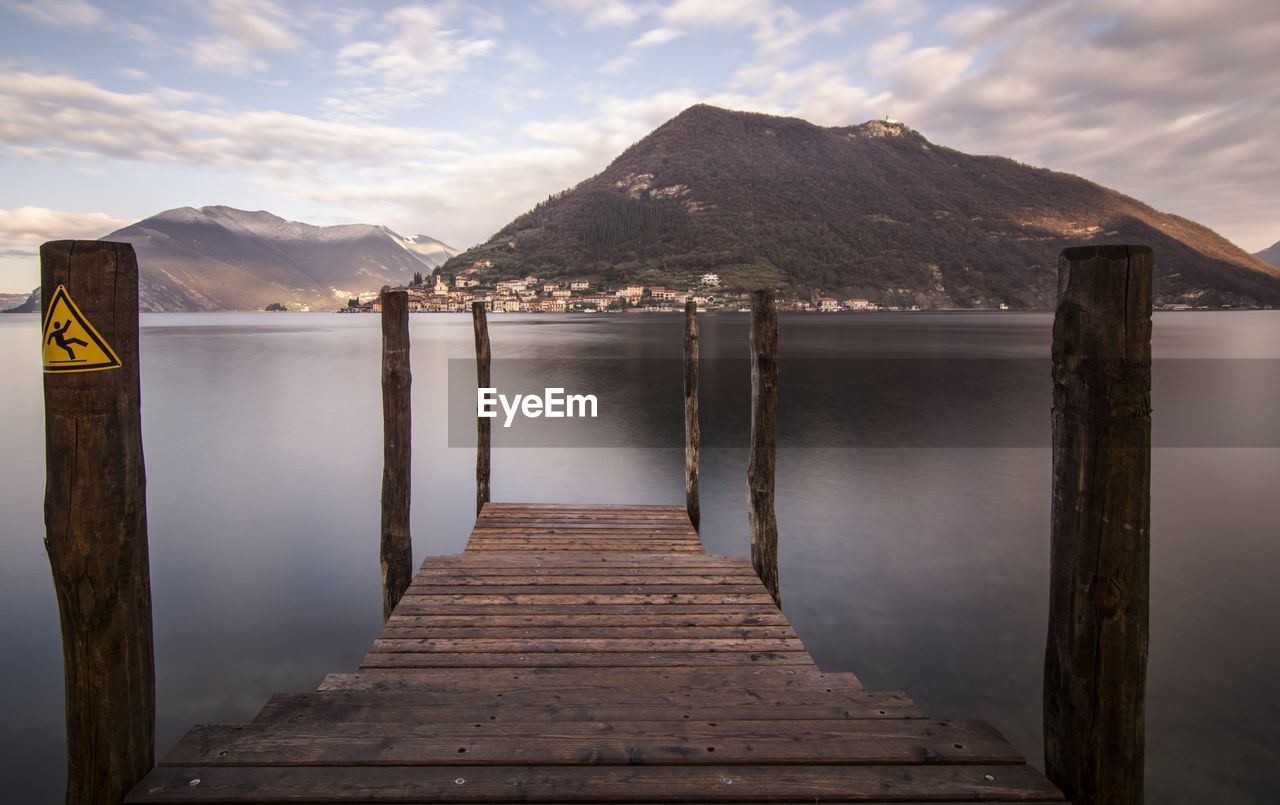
582	704
586	660
424	628
455	579
587	543
866	742
589	559
601	645
670	524
548	546
634	784
420	606
576	547
501	506
557	681
586	520
551	599
658	618
590	589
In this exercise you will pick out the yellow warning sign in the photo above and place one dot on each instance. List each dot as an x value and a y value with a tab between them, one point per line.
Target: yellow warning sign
70	342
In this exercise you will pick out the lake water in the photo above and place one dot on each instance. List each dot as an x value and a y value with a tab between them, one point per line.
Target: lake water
919	562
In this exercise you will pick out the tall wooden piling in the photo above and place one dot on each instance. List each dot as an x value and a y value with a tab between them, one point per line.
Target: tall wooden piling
95	512
692	428
762	464
483	424
1096	653
396	545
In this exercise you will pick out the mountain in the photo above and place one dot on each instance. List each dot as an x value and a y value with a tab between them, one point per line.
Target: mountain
1270	255
19	302
873	210
220	258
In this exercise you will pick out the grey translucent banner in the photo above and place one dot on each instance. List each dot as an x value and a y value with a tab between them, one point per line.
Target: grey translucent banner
946	402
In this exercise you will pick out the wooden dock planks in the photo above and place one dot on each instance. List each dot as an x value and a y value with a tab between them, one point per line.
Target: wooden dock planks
590	654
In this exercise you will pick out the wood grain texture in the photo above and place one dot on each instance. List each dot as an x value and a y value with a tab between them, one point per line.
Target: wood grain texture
484	434
692	427
95	513
762	463
621	669
586	703
396	545
1096	654
629	784
853	742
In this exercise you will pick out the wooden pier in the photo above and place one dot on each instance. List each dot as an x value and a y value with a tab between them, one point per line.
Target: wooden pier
597	653
590	654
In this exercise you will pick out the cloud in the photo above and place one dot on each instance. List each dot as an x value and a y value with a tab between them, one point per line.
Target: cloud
821	93
59	13
615	66
655	37
598	13
1169	102
419	58
242	30
649	39
22	230
717	13
67	117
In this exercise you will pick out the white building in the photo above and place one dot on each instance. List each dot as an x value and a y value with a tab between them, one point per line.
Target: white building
711	280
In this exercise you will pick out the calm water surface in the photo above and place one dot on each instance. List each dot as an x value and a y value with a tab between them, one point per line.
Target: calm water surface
919	568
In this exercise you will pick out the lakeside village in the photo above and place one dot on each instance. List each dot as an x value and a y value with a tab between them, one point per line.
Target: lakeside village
531	295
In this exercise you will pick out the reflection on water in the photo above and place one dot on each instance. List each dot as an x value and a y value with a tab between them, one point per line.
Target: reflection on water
922	568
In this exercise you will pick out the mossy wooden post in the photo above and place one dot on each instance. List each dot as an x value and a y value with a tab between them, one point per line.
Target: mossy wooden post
1096	655
397	545
483	434
762	463
692	430
95	513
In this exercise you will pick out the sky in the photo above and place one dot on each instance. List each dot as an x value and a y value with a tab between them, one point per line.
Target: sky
450	118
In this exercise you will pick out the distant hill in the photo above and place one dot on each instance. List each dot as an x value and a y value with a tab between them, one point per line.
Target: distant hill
1270	255
872	210
16	302
220	258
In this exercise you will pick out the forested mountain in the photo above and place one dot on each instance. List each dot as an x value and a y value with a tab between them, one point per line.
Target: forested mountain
872	210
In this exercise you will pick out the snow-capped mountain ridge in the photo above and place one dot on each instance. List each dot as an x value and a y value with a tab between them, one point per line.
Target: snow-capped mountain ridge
223	258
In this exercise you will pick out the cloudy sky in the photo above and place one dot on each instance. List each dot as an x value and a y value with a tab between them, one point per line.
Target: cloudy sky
449	118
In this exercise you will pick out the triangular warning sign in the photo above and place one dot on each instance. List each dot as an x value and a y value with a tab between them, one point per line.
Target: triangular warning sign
69	341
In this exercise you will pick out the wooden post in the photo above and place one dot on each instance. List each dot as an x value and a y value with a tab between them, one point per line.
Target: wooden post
692	430
397	545
1096	655
95	513
764	417
482	424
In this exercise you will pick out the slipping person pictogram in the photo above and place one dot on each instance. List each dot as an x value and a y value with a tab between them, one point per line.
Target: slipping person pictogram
58	336
69	342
